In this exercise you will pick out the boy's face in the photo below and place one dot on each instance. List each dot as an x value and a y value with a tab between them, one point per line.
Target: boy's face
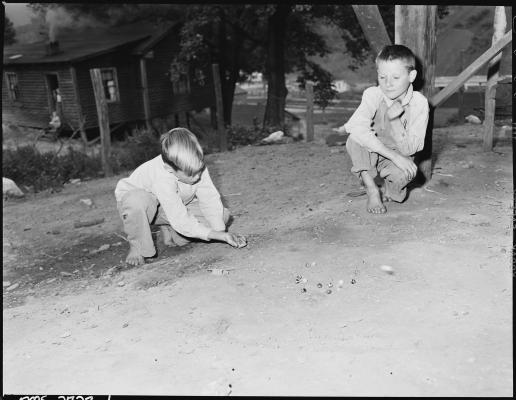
394	78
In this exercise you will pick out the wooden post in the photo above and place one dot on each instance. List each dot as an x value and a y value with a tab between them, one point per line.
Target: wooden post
82	119
460	93
415	27
309	111
499	25
221	129
373	27
103	117
145	92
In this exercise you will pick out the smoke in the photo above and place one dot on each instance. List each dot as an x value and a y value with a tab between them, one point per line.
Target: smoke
58	18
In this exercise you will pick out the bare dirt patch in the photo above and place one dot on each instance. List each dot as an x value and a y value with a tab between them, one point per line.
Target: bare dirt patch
438	324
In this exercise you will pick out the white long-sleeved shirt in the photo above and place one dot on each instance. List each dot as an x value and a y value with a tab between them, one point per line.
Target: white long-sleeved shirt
414	120
173	196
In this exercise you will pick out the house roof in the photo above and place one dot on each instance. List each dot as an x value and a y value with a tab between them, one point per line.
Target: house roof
77	45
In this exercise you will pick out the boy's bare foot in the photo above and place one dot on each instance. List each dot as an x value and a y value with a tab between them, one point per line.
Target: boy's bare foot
374	202
374	199
172	238
166	234
134	258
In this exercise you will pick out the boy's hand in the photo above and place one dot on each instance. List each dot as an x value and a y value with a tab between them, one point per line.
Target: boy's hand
237	241
406	165
340	129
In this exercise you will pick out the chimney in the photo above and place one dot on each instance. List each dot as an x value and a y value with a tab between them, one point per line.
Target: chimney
52	48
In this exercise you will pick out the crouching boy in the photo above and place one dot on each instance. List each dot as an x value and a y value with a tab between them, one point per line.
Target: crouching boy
173	190
388	128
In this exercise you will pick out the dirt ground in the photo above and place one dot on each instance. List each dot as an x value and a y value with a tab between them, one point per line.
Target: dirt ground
77	320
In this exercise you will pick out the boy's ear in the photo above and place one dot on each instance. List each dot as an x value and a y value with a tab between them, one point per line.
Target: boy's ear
412	75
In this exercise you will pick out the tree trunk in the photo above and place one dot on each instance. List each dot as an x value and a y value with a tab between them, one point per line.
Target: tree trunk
275	67
233	64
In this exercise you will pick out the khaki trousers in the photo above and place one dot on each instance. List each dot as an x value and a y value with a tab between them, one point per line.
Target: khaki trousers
139	209
374	164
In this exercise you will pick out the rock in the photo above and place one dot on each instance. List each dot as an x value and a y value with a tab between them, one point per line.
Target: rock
473	119
75	181
6	283
273	137
103	247
9	188
121	283
387	268
81	224
87	202
12	287
64	273
66	334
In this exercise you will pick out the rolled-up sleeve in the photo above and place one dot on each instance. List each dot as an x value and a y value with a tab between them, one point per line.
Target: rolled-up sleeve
359	125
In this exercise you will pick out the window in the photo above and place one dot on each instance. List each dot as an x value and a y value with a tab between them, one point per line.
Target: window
179	77
12	86
110	84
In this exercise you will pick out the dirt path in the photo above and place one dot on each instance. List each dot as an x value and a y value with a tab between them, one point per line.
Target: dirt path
440	324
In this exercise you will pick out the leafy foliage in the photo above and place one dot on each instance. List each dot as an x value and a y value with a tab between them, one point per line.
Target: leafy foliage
9	32
27	166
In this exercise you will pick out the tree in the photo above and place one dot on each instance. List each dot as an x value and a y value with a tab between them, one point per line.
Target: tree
9	32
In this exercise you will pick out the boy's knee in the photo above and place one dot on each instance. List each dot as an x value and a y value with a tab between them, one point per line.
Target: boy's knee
136	203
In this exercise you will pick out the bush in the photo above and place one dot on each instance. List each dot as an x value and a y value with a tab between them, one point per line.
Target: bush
141	146
243	136
27	166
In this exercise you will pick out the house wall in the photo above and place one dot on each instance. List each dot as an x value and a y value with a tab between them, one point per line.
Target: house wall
130	105
33	107
78	98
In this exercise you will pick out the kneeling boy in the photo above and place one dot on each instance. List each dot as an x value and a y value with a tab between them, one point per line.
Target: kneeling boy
170	190
388	128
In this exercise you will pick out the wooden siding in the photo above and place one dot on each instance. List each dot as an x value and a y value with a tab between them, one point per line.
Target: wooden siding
130	106
33	108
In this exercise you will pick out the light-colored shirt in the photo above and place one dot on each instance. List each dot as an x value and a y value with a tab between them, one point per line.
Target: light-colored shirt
414	120
174	195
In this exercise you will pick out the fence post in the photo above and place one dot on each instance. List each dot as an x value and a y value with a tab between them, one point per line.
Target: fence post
460	93
221	129
103	117
493	68
309	111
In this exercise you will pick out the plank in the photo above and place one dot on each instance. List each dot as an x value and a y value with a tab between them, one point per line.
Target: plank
372	25
459	81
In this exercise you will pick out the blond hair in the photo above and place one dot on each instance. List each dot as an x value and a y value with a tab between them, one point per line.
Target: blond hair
181	150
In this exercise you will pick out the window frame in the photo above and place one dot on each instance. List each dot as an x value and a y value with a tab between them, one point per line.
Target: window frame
14	94
105	85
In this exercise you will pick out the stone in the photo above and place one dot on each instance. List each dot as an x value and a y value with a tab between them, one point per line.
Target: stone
9	188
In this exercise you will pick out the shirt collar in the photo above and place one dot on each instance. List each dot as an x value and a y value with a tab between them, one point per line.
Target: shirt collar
404	101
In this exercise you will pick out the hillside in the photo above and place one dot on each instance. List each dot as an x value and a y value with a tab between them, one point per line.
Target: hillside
468	28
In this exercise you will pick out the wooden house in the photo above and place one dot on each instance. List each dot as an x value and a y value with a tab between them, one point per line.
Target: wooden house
142	81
